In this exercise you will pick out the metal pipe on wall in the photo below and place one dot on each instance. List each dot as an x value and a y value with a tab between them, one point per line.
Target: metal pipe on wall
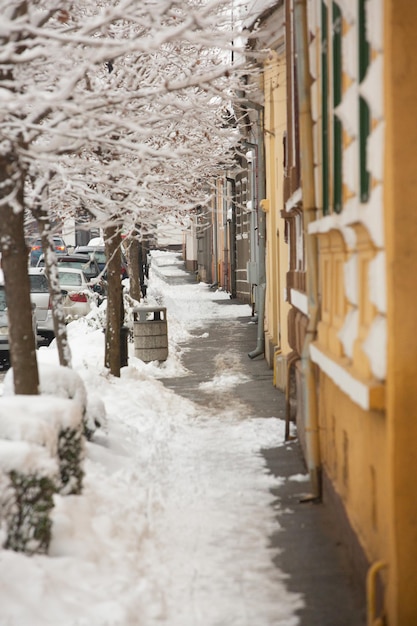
232	235
260	195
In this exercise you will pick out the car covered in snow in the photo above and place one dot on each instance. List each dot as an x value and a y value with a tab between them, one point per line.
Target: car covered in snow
78	295
4	322
39	295
4	328
99	253
85	262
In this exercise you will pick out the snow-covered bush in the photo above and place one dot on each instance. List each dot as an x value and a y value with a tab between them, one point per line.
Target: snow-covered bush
71	455
28	481
95	415
63	382
53	423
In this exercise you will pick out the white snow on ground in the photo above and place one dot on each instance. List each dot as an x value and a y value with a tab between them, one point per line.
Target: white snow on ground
172	527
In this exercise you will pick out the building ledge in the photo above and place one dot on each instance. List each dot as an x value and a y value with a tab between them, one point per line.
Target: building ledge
293	201
299	300
369	394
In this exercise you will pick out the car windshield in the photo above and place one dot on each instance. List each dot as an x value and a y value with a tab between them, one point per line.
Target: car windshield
100	256
87	268
38	283
70	278
3	305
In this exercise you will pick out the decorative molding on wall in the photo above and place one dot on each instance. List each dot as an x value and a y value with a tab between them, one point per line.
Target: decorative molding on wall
293	200
376	151
375	347
299	300
371	88
366	394
369	214
348	112
374	24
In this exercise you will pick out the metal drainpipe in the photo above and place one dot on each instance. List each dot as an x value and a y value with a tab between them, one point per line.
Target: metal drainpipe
292	359
232	243
371	582
310	406
260	343
215	250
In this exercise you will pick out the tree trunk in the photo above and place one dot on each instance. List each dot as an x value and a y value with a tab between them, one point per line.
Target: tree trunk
134	274
142	269
51	271
112	240
16	280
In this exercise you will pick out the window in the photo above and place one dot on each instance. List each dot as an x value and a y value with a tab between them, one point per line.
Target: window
3	305
38	283
69	278
364	113
325	108
337	98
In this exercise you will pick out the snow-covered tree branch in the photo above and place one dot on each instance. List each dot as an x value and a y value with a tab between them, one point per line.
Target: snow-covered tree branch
120	107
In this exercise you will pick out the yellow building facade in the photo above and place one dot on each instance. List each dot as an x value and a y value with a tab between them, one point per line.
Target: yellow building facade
340	256
276	249
363	89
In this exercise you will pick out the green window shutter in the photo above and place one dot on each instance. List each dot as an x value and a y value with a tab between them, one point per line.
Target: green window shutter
337	98
364	51
364	130
337	54
337	163
325	107
364	113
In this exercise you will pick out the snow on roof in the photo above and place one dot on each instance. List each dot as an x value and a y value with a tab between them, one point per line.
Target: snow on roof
96	241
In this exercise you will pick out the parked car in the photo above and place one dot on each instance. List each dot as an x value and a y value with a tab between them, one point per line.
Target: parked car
36	249
97	252
4	328
78	294
88	264
39	295
100	256
97	242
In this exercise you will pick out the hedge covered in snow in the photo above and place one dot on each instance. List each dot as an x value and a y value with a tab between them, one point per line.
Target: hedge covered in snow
64	382
41	453
28	478
42	446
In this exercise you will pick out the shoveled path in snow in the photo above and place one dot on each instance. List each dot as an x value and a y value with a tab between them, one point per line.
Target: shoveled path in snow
310	559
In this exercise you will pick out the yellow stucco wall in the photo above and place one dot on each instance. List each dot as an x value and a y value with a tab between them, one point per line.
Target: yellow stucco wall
400	199
276	308
353	443
354	437
370	456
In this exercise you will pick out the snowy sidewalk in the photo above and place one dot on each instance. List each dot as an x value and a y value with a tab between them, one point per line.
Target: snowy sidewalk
190	513
304	546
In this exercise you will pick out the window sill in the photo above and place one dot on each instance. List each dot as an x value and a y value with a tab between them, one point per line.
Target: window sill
369	394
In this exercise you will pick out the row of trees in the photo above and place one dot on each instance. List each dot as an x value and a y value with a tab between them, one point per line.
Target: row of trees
117	108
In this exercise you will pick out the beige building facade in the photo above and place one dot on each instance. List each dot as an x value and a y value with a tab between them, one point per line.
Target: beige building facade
277	347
